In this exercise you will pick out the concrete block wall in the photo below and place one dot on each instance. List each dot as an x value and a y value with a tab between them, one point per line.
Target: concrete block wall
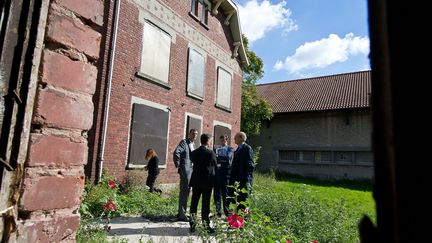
53	179
348	130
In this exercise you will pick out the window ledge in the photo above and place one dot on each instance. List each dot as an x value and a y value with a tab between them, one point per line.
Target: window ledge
204	25
192	95
223	108
362	164
135	167
140	167
194	16
153	80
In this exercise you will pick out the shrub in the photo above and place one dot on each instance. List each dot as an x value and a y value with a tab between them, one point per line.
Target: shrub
100	200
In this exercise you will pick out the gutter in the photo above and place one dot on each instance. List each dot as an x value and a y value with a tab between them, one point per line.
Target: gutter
241	50
108	93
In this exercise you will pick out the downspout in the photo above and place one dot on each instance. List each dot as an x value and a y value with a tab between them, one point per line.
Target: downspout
108	94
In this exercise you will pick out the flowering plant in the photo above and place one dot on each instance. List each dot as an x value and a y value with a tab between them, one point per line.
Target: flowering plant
112	184
249	224
235	221
110	206
100	201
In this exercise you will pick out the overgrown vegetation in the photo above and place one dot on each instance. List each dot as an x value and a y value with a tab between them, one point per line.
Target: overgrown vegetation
283	207
130	197
315	210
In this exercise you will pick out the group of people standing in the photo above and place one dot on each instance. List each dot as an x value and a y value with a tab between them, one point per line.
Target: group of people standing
205	170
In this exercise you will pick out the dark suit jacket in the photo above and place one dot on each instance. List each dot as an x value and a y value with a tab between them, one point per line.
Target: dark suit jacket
181	156
242	166
204	167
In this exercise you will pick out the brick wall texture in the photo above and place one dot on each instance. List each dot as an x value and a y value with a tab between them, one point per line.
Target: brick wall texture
53	175
173	16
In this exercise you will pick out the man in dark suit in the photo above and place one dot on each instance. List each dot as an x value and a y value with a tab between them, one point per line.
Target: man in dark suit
242	168
184	168
202	181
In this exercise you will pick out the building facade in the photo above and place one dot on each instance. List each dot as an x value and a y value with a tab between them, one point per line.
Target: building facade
172	66
321	127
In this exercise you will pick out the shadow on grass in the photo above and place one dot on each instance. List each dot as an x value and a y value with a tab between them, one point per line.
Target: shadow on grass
360	185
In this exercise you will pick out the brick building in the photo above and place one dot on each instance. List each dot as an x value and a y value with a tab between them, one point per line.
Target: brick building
321	127
170	66
67	66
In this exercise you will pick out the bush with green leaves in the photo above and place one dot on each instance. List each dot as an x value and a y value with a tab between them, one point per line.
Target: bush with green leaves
246	225
100	200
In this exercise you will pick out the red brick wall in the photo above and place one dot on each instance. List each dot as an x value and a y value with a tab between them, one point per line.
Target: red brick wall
126	84
53	178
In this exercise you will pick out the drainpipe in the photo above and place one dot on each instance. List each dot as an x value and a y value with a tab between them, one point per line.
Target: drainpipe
108	93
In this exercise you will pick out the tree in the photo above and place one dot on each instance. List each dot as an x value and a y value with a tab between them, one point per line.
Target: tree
254	108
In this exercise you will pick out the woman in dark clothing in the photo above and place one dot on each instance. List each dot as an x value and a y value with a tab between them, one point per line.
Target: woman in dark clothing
153	170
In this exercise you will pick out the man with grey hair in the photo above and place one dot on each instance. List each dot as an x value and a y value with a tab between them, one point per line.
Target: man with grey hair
242	167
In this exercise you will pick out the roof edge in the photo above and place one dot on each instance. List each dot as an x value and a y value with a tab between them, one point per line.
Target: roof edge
237	34
324	76
325	110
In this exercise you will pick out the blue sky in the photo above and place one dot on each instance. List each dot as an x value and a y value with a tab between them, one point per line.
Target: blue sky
306	38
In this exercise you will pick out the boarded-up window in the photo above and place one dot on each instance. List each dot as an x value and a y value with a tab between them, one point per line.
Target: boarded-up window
155	53
288	155
149	129
224	89
326	156
195	74
343	156
194	123
219	131
308	156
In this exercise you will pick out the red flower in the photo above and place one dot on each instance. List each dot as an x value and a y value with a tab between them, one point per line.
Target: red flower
315	241
112	184
235	221
110	206
287	241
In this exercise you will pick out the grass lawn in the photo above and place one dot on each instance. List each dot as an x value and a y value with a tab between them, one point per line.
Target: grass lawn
313	209
300	209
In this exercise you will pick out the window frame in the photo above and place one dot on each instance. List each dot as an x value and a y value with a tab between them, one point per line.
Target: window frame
200	16
136	100
149	77
197	142
221	106
216	137
188	91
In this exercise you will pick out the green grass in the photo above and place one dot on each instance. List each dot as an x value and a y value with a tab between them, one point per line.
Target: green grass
313	209
306	209
138	201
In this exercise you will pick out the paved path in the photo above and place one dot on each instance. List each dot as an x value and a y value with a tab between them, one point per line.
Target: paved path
139	229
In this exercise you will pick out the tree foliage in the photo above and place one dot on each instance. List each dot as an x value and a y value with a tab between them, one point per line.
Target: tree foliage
254	108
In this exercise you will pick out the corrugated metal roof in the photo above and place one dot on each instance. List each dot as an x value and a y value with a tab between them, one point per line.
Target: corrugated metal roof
340	91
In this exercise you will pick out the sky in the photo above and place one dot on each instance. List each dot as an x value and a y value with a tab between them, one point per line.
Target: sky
306	38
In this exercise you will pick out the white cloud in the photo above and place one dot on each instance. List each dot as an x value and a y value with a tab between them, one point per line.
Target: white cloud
258	18
324	52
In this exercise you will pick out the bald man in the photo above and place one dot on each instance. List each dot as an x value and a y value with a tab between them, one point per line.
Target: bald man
242	167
